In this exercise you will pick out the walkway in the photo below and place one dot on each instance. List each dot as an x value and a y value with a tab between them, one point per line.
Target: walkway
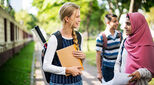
38	78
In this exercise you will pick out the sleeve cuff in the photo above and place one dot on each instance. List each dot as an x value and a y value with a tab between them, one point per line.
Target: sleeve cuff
99	49
144	72
64	71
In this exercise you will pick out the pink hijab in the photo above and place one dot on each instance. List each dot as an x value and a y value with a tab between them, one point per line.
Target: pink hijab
139	45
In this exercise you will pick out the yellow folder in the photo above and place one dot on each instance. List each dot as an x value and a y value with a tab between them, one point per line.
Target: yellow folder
67	59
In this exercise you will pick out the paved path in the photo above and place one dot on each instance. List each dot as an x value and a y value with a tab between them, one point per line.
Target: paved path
38	78
89	73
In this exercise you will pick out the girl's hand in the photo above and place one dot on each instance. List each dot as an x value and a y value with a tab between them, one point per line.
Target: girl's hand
135	76
79	54
74	71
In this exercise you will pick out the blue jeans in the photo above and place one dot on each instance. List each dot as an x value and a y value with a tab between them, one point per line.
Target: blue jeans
77	83
107	73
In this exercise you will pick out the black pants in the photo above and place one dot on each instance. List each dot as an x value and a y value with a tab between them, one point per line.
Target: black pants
108	73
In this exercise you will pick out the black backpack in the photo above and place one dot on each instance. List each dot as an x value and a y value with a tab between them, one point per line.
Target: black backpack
59	46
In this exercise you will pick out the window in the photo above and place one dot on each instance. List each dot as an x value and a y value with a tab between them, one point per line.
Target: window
5	29
12	31
16	29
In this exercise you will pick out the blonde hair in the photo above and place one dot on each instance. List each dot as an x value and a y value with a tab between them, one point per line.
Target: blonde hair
67	10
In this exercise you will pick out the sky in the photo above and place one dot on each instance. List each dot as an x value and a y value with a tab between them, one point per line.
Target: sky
24	4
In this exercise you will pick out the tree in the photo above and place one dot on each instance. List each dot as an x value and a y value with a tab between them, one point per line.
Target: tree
26	19
129	5
112	6
48	18
91	15
8	7
150	17
140	4
88	24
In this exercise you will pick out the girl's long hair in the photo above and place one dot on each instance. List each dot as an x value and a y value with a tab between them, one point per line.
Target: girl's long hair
67	10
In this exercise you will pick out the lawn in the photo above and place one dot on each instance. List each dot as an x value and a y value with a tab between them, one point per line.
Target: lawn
17	70
91	57
91	54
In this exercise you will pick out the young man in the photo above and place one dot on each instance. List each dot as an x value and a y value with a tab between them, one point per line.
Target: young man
106	55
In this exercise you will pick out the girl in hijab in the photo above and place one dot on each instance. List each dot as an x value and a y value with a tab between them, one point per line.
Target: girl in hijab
136	51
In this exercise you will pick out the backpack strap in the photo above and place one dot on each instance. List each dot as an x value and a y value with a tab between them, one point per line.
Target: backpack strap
59	39
120	35
122	48
104	40
59	42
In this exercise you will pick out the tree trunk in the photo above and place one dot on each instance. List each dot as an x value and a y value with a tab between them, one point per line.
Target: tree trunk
87	27
110	6
120	10
134	5
99	25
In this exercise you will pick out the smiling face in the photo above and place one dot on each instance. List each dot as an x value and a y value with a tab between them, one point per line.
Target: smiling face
74	20
128	27
114	23
70	15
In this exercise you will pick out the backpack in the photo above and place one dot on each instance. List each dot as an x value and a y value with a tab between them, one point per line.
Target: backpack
59	46
105	39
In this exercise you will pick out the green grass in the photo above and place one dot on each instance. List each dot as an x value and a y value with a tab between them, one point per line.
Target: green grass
91	57
17	70
91	54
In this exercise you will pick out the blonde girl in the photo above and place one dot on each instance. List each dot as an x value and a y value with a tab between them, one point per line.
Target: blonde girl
70	17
